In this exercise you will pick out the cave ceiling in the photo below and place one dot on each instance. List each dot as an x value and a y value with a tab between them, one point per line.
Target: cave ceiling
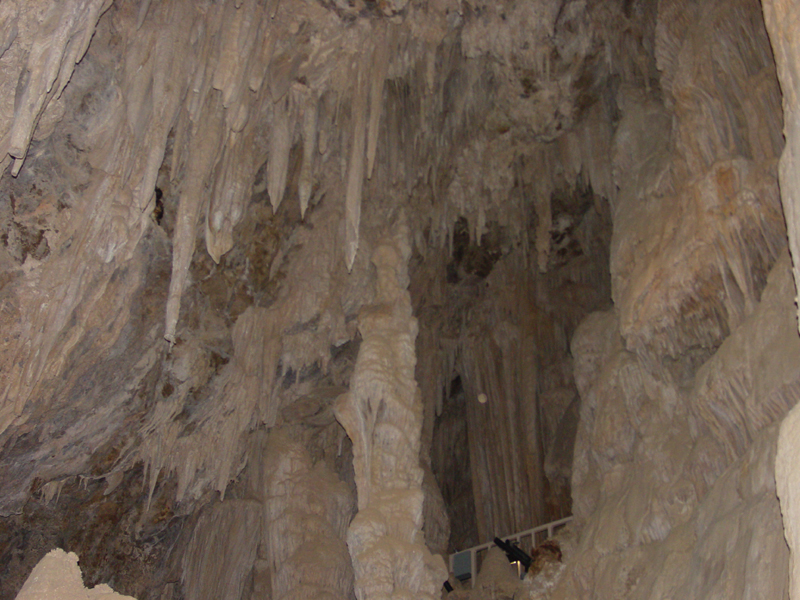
170	166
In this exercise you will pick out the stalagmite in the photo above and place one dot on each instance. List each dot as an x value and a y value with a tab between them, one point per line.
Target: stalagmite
382	414
305	516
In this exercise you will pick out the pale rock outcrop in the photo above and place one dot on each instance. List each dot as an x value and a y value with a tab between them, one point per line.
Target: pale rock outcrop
783	23
647	497
683	383
58	576
698	223
305	517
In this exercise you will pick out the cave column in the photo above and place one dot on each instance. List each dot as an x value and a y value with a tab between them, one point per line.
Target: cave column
783	25
382	414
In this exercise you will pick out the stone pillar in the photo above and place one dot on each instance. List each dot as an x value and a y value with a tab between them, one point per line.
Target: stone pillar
382	414
782	18
306	511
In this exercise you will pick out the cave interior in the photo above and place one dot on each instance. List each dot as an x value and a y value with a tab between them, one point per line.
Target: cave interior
300	297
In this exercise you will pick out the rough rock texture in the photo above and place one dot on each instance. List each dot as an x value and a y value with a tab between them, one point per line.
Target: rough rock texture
734	533
507	468
382	414
222	550
191	193
306	514
58	576
782	23
673	464
698	221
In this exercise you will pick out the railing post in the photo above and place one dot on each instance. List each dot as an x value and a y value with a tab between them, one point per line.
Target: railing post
473	566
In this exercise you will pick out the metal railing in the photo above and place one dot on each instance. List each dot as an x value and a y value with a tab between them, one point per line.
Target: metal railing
534	537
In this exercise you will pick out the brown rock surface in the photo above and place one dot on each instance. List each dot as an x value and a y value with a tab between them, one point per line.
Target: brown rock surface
589	309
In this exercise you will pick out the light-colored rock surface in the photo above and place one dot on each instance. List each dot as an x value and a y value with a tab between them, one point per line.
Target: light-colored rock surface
58	576
693	483
783	22
195	266
306	513
382	414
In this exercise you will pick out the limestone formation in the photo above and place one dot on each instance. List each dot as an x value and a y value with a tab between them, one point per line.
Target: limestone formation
782	23
58	576
382	414
306	513
587	307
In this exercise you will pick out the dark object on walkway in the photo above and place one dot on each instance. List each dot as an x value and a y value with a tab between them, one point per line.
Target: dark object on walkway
514	553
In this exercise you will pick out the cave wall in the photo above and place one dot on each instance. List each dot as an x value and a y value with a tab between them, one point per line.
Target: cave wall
683	384
782	21
186	249
193	194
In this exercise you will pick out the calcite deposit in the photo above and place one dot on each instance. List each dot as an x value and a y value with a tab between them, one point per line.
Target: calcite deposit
58	576
382	414
298	296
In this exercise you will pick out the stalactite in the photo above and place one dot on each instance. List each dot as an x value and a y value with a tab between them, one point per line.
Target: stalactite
203	157
236	50
213	450
280	144
167	87
231	192
355	166
66	34
380	65
309	133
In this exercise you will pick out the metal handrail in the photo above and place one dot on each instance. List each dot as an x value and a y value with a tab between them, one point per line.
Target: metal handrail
517	537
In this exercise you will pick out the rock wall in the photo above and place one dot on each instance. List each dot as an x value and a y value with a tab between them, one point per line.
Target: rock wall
782	23
683	384
190	198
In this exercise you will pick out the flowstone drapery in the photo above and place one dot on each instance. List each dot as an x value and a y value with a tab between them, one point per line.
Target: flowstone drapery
382	414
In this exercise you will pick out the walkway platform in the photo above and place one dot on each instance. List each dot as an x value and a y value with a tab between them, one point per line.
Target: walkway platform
465	564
